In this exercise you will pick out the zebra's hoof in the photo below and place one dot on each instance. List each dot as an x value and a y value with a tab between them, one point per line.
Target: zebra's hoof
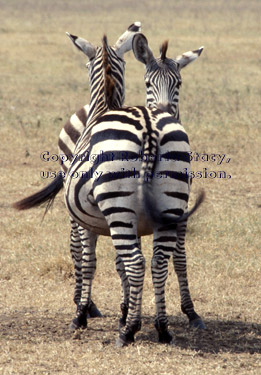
77	323
122	341
165	337
73	327
197	323
93	311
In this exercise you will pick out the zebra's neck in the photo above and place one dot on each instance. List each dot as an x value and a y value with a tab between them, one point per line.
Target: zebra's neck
98	106
98	103
107	84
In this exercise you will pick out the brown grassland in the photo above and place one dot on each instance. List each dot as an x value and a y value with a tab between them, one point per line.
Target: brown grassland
43	82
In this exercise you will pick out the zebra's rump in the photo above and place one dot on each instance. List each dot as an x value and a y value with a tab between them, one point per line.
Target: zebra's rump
132	152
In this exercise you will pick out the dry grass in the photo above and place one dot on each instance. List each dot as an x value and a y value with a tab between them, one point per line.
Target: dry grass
43	82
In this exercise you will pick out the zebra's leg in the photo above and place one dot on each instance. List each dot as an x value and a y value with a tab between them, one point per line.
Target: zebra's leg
125	288
162	250
125	291
128	250
76	254
180	266
93	311
88	265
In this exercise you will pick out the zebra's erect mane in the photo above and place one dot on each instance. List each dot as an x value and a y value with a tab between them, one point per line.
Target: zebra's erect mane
163	50
109	83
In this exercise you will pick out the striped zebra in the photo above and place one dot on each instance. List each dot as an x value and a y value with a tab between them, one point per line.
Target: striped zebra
130	177
71	132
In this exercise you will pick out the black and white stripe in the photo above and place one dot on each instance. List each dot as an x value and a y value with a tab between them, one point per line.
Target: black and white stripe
141	171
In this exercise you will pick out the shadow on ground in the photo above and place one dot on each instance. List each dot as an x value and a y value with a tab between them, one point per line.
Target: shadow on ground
220	336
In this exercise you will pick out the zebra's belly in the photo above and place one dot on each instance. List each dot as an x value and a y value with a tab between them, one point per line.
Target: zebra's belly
144	226
96	226
101	227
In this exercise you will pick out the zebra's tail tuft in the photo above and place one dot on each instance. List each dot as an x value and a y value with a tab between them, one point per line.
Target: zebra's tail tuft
47	194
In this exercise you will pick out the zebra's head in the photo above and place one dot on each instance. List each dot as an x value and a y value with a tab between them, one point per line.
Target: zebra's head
162	77
106	64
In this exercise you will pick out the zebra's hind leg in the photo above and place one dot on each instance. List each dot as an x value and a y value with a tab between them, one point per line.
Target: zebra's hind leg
88	267
125	291
180	266
128	250
162	250
76	254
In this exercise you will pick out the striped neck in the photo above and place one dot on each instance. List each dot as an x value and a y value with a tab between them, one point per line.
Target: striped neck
106	74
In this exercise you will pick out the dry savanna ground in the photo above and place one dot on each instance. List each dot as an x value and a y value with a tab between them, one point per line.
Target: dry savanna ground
43	81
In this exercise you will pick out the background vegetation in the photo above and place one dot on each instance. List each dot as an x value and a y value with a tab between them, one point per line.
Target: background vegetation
43	81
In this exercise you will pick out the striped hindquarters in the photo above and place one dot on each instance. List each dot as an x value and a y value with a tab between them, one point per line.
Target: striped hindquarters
129	148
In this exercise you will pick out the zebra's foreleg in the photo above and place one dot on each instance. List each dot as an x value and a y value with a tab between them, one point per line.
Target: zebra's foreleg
159	271
180	266
88	267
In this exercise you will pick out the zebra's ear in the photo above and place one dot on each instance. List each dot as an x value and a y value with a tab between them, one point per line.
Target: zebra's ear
124	43
141	49
83	45
187	57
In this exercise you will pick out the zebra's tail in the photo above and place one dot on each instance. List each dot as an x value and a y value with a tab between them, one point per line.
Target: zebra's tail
47	194
151	206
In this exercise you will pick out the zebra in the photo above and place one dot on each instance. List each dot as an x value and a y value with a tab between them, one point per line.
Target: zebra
68	137
113	198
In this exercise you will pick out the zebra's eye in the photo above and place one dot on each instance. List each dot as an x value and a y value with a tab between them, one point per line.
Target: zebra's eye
147	83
